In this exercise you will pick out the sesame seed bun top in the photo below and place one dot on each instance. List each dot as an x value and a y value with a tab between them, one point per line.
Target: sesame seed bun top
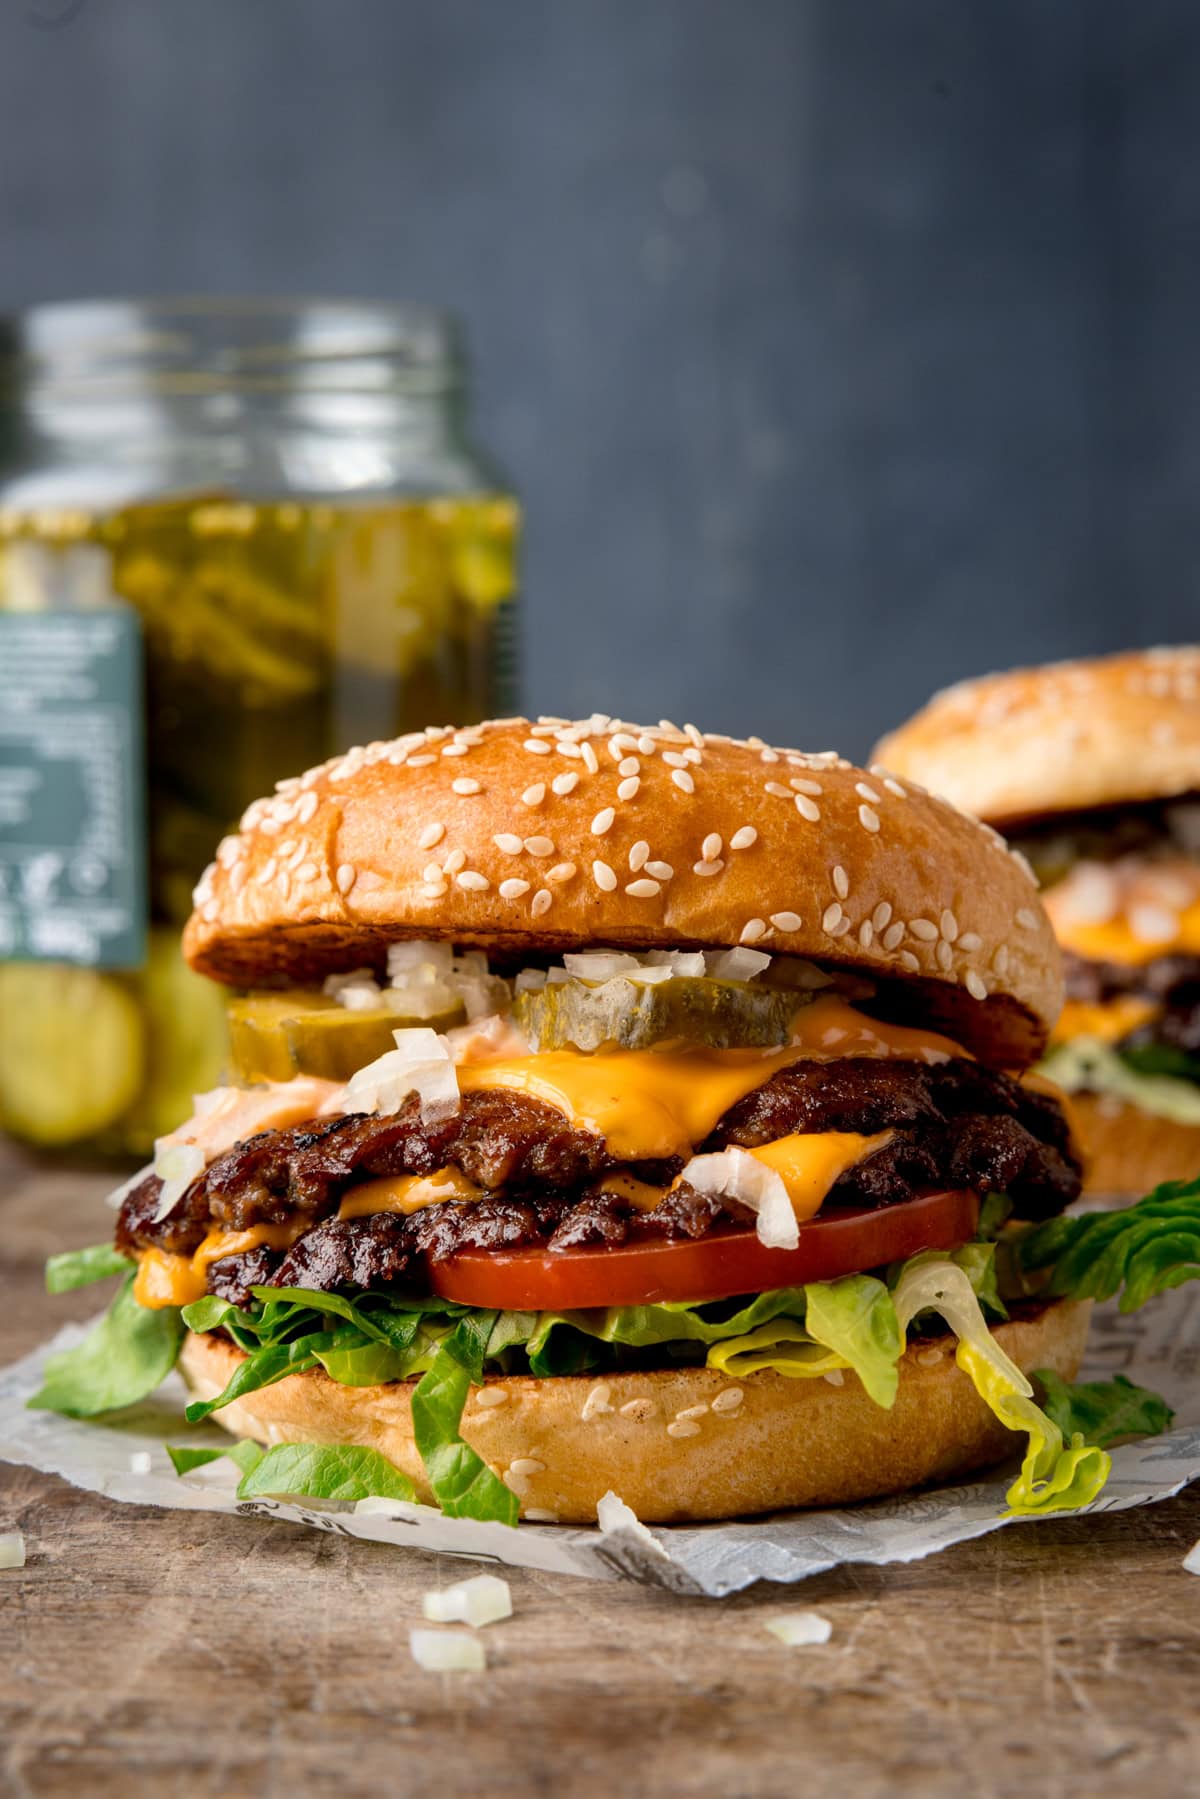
1062	738
524	838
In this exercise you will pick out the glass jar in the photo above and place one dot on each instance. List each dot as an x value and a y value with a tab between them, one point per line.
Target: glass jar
266	518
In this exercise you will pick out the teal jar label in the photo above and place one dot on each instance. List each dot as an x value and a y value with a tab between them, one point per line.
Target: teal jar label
72	788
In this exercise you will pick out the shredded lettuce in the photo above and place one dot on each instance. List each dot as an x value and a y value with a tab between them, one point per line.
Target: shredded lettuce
463	1484
1103	1411
81	1267
316	1471
1142	1250
1087	1065
128	1353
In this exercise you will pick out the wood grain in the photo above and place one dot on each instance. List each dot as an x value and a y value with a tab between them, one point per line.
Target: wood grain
196	1655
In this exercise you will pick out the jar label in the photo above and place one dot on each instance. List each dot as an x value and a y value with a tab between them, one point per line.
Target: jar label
72	788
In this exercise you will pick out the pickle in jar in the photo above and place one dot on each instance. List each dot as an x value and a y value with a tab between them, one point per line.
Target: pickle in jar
625	1014
72	1052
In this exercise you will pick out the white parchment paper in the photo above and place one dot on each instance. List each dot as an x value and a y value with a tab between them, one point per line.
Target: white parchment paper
1158	1347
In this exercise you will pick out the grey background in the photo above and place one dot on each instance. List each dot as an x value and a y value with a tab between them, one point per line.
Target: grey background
839	348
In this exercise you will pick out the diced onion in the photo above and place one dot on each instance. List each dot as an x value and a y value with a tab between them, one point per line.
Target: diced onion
483	1600
599	965
406	959
486	1039
612	1514
362	998
447	1651
12	1549
177	1165
799	1630
420	1064
334	985
739	964
1191	1560
735	1174
140	1462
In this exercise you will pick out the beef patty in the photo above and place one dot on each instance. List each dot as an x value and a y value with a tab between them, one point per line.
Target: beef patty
955	1125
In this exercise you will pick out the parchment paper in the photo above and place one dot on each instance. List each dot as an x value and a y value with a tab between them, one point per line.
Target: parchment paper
1158	1347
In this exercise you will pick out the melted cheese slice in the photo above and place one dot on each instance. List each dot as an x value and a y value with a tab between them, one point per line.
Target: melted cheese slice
163	1279
649	1104
1108	1022
1130	912
408	1193
809	1163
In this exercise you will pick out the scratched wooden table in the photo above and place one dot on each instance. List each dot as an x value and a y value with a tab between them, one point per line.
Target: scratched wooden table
181	1653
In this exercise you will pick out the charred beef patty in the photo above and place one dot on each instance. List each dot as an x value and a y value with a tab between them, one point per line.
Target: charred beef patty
1173	982
955	1125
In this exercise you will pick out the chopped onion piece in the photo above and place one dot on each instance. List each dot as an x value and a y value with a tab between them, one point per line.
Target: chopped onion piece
421	999
599	965
531	980
361	998
612	1514
649	977
140	1462
739	964
406	959
1191	1560
12	1549
800	1629
486	1040
117	1198
177	1165
447	1651
420	1064
735	1174
483	1600
334	985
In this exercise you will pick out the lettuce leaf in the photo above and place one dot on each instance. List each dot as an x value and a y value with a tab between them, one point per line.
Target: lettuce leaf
315	1471
1161	1058
1103	1411
463	1484
128	1353
1144	1249
856	1318
247	1455
80	1267
1087	1065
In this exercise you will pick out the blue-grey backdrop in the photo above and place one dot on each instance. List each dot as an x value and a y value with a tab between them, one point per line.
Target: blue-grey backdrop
839	348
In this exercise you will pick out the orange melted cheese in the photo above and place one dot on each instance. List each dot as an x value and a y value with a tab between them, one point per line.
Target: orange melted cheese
408	1193
1108	1022
164	1279
809	1163
649	1104
1116	941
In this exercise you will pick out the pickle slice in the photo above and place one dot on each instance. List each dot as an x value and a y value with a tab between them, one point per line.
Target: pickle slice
273	1036
623	1014
72	1051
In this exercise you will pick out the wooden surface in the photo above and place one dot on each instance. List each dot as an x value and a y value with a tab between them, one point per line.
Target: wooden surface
188	1654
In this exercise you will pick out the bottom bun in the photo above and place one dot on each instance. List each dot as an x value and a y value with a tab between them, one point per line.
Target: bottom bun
1130	1151
676	1444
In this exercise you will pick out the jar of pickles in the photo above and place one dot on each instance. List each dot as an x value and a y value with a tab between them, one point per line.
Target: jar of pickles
235	537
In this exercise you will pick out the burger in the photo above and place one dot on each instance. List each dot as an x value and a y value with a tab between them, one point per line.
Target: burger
613	1110
1092	770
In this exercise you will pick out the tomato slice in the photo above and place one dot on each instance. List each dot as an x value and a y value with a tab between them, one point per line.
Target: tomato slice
841	1240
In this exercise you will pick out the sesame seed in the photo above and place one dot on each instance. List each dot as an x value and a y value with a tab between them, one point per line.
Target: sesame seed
683	1427
778	791
465	785
843	926
866	933
867	819
909	961
840	879
454	861
744	838
807	808
945	956
974	984
283	884
513	889
831	919
432	834
707	868
598	1400
642	889
696	736
539	846
729	1400
893	936
541	901
562	871
307	871
590	761
693	1411
568	747
683	780
786	921
866	793
603	821
639	1409
433	890
752	930
306	808
267	871
646	745
432	871
693	756
949	926
673	759
346	876
638	854
537	746
1026	919
508	842
895	788
629	765
803	785
533	796
473	881
603	876
526	1464
413	762
627	790
563	784
1000	960
489	1397
711	848
455	749
924	928
662	871
768	755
